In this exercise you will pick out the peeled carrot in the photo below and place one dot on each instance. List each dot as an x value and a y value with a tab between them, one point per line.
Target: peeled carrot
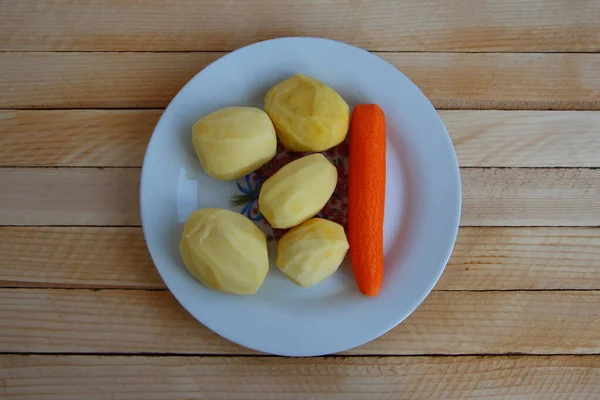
366	196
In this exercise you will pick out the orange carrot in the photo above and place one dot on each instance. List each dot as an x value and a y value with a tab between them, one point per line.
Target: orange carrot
366	196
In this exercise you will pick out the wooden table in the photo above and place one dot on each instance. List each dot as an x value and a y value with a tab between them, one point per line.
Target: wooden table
83	313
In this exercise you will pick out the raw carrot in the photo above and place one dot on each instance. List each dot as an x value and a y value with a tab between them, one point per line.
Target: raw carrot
366	196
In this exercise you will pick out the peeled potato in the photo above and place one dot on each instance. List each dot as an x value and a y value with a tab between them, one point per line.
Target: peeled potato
298	191
311	252
225	251
234	141
308	115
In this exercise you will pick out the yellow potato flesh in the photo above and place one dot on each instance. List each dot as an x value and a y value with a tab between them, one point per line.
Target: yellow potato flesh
298	191
225	251
234	141
312	251
308	115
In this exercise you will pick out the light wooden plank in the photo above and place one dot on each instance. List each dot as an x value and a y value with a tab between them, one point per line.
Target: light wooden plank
132	321
465	25
525	138
118	137
150	80
96	80
84	257
537	197
414	378
483	258
491	196
72	196
75	137
504	81
524	258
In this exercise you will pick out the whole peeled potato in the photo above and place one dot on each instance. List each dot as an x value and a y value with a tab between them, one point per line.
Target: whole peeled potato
234	141
224	250
312	251
308	115
298	191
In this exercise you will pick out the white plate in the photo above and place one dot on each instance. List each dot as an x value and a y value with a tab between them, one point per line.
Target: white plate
422	211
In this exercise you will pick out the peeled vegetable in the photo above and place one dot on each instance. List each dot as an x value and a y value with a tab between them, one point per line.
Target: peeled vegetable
234	141
311	252
298	191
308	115
225	251
366	196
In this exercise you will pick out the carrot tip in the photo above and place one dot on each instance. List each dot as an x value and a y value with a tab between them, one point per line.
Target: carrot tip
372	292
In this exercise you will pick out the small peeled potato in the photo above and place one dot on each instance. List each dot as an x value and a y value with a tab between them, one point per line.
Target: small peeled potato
298	191
234	141
308	115
311	252
225	251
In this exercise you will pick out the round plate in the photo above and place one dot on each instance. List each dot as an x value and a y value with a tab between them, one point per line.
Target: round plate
422	210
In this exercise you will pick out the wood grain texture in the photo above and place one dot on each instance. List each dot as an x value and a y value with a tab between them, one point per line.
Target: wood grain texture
491	196
525	138
464	25
483	258
96	80
84	257
132	321
459	80
118	138
524	258
76	137
414	378
523	197
50	196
